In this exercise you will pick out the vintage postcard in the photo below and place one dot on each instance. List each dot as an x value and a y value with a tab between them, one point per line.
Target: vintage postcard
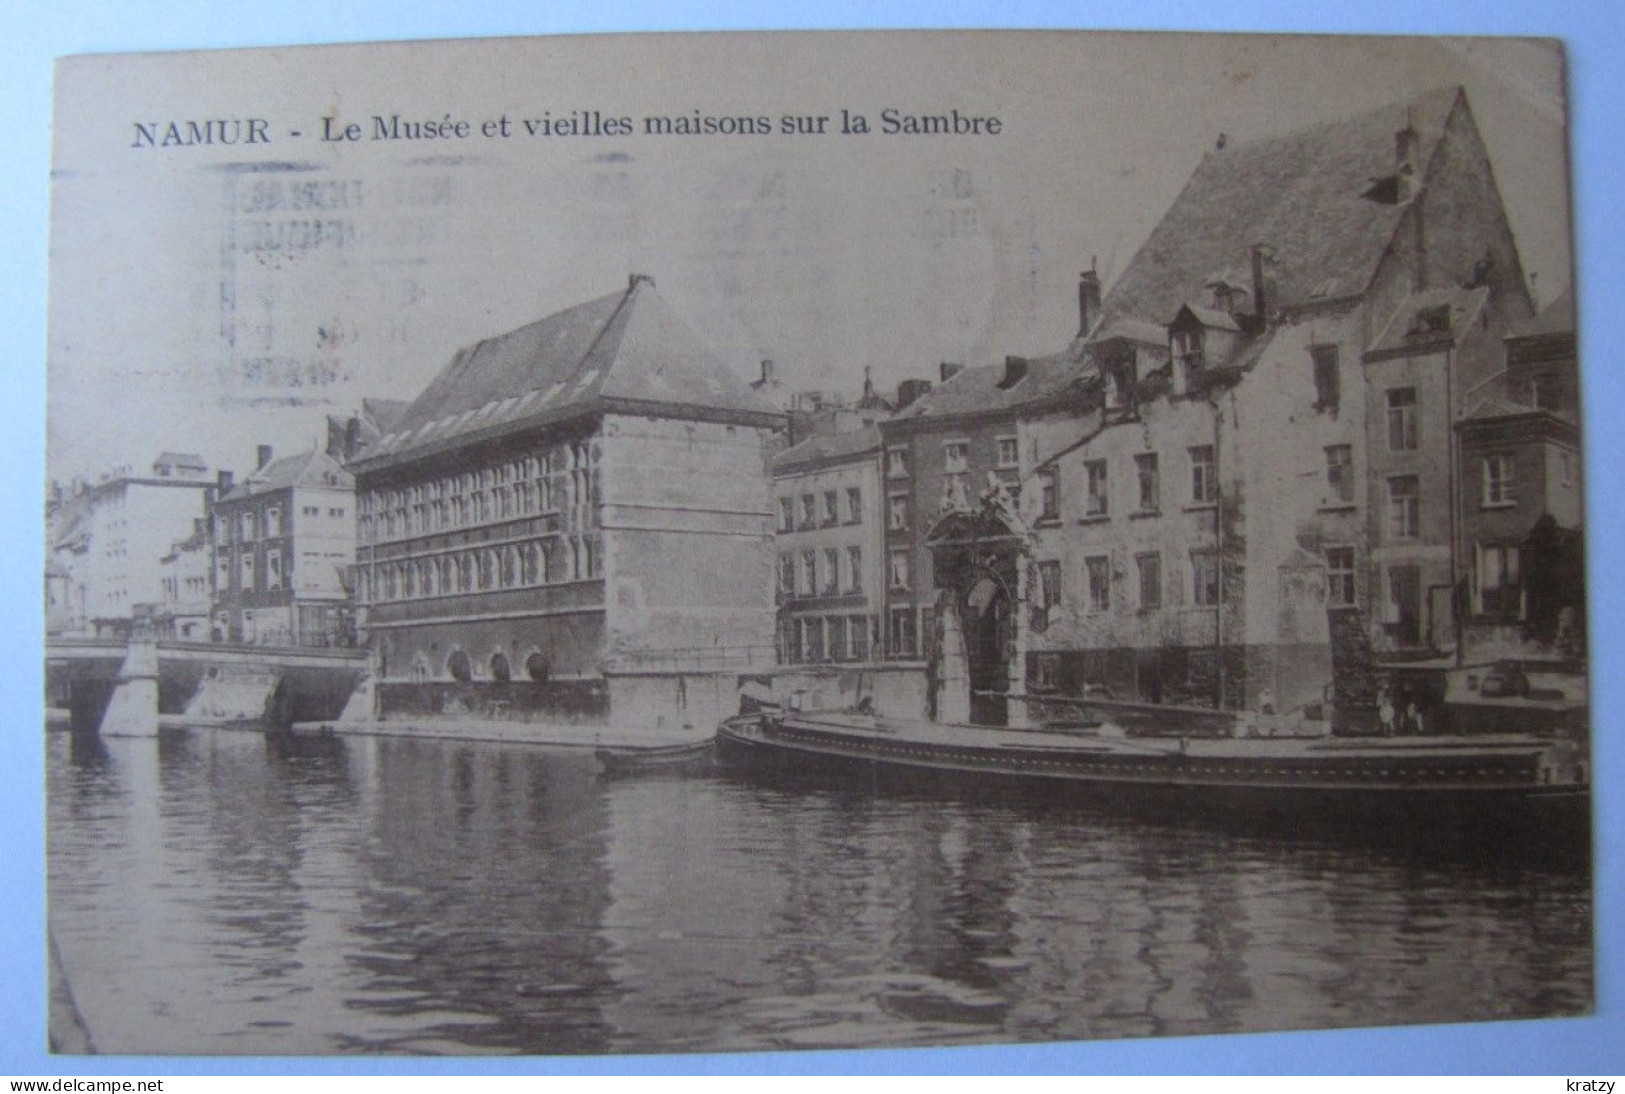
735	542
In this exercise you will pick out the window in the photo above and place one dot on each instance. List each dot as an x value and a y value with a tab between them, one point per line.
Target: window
1049	486
787	574
1340	577
1565	464
854	569
809	510
1046	670
1402	419
832	571
955	457
812	639
1498	481
1009	452
903	639
1404	507
338	513
897	463
1340	474
1204	579
1096	496
807	585
309	511
273	569
787	514
897	512
854	505
835	632
1204	477
1328	387
1187	350
857	636
1049	584
1099	573
247	526
1150	567
792	642
832	508
1121	376
1500	584
247	578
1403	611
1150	482
899	570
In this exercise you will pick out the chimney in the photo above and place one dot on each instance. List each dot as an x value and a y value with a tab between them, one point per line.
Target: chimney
868	385
1260	253
1015	370
767	370
1088	298
910	390
224	480
950	369
633	279
1406	147
262	456
352	437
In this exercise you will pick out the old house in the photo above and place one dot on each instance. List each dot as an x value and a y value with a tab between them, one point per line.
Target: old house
1520	551
573	519
828	505
284	542
1204	510
108	539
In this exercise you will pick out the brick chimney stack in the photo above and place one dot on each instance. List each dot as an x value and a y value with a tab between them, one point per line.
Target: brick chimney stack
1088	298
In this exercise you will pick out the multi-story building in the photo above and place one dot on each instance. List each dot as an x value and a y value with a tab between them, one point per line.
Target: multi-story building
574	518
184	611
1200	518
1520	549
941	452
284	543
830	591
108	538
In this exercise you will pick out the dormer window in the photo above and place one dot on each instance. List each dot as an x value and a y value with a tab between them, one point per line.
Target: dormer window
1430	322
1186	347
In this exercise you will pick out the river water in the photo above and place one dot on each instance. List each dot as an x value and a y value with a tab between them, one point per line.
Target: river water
213	892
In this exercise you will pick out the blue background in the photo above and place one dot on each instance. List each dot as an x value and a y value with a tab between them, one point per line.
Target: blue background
34	32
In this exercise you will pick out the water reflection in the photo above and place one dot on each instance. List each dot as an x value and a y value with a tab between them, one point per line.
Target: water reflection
219	892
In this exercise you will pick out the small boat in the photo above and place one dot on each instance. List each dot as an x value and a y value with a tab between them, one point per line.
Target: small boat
632	759
1429	778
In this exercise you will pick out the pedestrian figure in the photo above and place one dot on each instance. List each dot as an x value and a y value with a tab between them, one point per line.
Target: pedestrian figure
1385	712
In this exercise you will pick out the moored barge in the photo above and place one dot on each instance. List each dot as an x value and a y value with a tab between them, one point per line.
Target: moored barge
1479	779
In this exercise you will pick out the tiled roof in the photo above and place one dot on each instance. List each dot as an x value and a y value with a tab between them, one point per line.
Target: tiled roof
626	346
1299	194
310	468
1405	327
1555	318
829	446
979	389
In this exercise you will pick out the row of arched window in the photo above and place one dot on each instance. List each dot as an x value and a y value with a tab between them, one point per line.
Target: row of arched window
544	562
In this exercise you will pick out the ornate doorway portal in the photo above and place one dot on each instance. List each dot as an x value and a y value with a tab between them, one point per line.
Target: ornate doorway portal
977	558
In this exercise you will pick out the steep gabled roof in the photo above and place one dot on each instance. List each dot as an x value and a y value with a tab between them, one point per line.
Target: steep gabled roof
1299	194
310	468
1410	328
627	347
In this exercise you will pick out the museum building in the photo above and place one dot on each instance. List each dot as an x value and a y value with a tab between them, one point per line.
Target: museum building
574	520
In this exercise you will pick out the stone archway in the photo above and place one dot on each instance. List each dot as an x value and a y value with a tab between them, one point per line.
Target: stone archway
978	561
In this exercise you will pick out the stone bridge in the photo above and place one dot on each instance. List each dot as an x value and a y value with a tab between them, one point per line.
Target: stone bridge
125	688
